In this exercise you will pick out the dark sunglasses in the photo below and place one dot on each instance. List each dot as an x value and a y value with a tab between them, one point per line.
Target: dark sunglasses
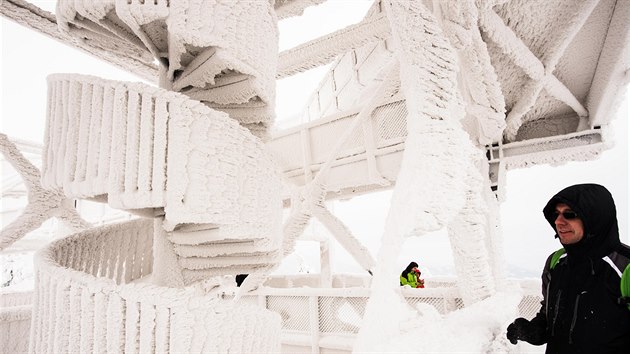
569	215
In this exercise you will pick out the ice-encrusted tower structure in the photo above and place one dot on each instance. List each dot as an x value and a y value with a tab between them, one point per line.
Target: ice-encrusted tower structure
185	157
435	99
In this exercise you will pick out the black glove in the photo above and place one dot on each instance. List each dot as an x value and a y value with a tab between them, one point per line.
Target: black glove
522	329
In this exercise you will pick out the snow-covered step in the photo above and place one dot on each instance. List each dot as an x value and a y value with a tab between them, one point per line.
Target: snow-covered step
213	251
223	53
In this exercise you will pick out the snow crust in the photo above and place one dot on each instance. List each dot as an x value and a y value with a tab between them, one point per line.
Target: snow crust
478	328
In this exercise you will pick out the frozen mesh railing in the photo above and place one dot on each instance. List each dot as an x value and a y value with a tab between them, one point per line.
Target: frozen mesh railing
443	304
336	314
379	137
341	310
292	310
341	314
387	128
223	53
390	122
89	298
529	306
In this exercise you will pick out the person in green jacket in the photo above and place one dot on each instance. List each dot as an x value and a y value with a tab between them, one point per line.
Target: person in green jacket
411	276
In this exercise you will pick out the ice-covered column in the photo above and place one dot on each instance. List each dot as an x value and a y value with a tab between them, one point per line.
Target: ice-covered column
434	182
474	240
468	234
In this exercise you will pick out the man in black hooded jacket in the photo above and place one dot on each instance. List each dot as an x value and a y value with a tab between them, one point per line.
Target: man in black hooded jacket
582	309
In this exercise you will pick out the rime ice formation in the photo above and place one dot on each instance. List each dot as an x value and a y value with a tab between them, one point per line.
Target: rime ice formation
323	50
225	56
436	99
479	84
208	183
428	80
539	72
288	8
42	203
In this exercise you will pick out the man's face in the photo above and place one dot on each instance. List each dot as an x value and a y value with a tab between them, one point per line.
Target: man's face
570	231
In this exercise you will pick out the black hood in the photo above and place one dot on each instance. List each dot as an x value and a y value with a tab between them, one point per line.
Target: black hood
595	206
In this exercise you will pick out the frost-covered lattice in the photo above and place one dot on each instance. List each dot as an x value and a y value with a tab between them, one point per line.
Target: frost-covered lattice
533	59
42	203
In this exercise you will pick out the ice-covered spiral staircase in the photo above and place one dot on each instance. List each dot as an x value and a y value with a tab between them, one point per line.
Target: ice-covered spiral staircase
207	193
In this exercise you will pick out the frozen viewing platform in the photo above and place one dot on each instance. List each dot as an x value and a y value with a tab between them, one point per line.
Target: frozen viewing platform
100	285
263	125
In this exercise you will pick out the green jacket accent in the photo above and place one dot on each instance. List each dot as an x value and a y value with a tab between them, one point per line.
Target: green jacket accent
625	285
411	280
556	257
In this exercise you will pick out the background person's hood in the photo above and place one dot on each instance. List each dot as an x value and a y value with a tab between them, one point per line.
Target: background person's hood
595	206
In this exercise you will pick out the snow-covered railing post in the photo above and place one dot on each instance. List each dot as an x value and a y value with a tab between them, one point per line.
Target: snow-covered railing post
325	264
15	320
313	311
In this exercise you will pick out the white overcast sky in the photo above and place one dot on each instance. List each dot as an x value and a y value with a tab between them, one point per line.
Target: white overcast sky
27	58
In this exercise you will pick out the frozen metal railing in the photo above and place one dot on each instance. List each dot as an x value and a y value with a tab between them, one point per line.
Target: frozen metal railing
15	320
310	315
92	295
306	313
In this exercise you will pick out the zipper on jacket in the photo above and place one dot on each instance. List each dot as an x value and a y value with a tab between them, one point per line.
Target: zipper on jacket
574	319
547	297
555	313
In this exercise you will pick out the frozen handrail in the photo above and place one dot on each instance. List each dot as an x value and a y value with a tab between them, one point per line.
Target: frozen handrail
90	283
